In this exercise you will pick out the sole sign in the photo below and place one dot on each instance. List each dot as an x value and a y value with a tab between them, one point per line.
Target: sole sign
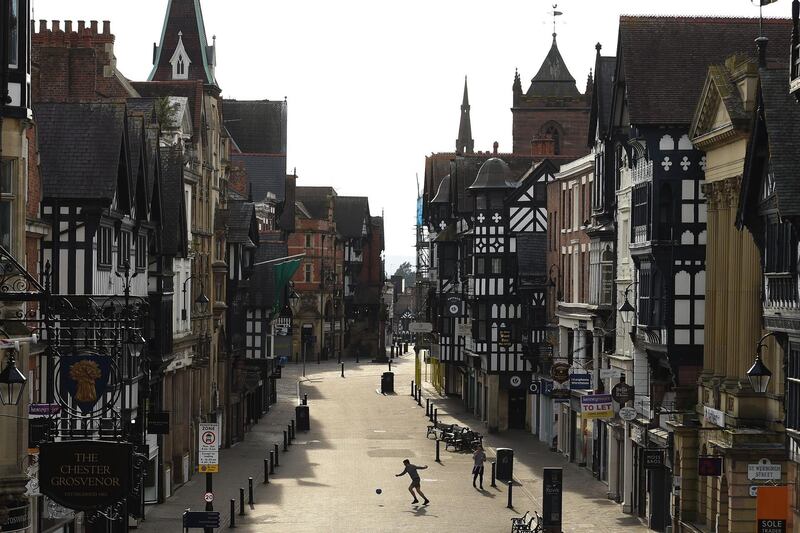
771	526
772	508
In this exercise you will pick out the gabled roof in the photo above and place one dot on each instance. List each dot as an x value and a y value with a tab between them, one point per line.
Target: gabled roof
184	17
257	127
351	214
80	146
553	78
602	92
240	219
265	173
663	61
315	200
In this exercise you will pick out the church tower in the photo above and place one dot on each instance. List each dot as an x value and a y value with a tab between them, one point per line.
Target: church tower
465	144
184	52
552	109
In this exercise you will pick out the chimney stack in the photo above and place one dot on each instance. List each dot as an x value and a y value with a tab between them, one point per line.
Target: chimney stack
495	146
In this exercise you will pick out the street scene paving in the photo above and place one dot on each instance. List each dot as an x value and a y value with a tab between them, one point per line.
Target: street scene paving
328	479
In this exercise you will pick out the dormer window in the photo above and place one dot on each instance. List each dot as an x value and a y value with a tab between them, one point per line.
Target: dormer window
180	61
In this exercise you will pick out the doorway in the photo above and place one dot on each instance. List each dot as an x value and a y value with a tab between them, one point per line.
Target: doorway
516	409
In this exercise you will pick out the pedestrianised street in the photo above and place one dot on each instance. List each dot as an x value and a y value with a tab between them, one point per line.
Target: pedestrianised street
327	481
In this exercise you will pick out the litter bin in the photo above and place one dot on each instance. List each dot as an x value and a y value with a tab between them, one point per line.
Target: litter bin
405	347
505	464
302	418
387	382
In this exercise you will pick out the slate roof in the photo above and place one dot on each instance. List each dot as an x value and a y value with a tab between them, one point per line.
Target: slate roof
265	173
257	127
553	78
664	60
262	281
315	200
602	93
239	218
184	17
782	115
80	146
173	234
350	214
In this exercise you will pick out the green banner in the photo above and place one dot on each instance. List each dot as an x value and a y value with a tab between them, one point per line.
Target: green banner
283	273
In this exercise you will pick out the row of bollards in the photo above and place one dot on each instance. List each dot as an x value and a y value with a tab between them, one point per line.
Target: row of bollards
270	464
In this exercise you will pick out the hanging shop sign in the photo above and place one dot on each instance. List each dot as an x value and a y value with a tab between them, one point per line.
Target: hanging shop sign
709	466
515	381
559	372
597	406
452	306
158	423
772	508
84	378
15	519
580	381
552	488
653	458
560	395
622	393
535	387
627	413
84	474
504	337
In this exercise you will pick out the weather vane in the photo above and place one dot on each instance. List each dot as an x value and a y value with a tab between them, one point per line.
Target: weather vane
761	4
555	12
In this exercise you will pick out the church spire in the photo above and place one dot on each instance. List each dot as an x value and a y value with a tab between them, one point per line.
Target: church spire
184	52
465	144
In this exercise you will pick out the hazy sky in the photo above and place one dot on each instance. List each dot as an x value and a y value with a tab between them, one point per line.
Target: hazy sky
373	86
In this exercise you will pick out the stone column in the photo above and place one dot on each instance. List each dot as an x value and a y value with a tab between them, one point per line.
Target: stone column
712	203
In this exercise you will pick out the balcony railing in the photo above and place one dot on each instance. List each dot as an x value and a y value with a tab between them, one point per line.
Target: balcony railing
642	172
641	234
780	291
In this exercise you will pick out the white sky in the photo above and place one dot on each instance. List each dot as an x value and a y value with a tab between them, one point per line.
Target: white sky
373	86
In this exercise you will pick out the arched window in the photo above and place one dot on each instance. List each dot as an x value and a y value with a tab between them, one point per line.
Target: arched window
181	66
552	131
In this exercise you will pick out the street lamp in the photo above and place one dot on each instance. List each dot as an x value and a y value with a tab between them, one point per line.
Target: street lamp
201	301
12	382
626	309
759	375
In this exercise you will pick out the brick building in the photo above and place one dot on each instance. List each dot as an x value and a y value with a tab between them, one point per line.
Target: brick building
551	108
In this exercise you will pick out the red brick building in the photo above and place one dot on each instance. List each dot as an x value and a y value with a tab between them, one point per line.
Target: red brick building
552	108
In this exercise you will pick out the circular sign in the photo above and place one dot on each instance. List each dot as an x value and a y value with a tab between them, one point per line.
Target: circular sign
454	309
208	438
559	372
533	388
515	381
627	413
208	497
622	393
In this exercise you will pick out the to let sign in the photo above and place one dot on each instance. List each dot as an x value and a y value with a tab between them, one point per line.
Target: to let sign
208	448
597	406
85	475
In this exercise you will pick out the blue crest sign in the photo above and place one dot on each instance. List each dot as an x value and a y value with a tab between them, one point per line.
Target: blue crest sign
85	379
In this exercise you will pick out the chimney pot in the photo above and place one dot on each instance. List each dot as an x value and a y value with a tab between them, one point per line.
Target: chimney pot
56	25
93	26
81	26
495	146
106	27
42	26
68	26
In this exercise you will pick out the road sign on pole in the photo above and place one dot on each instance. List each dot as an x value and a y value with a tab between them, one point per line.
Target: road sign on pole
208	447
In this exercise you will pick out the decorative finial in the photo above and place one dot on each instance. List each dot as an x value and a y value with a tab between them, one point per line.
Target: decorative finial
180	34
555	13
598	47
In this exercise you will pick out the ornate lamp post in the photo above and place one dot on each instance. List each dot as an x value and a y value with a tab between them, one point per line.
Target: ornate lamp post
12	381
758	374
201	301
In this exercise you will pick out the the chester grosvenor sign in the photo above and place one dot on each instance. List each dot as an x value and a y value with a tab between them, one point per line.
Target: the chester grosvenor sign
85	475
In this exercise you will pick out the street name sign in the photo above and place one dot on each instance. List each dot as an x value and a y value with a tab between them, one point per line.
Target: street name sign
208	448
420	327
763	470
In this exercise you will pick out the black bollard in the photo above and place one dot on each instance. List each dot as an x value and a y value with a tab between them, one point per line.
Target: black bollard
271	462
494	467
293	434
357	356
435	416
289	433
285	441
342	369
277	461
305	399
250	496
510	493
419	397
233	514
266	471
428	407
437	451
390	365
241	501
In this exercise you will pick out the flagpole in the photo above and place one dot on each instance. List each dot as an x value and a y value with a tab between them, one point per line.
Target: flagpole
280	259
